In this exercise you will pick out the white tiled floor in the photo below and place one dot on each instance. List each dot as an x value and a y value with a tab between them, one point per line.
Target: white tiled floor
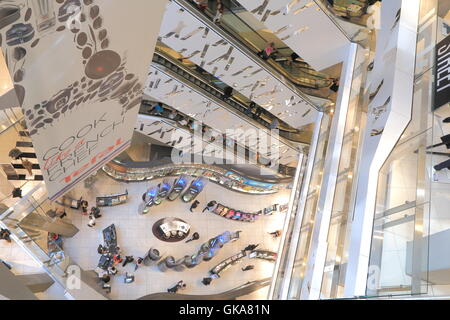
135	237
18	258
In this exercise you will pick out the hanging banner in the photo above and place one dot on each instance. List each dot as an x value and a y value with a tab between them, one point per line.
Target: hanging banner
442	74
79	67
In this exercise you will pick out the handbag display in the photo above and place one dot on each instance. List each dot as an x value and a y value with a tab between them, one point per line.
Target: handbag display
19	33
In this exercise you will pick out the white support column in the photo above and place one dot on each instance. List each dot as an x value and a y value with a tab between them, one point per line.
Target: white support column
318	247
398	75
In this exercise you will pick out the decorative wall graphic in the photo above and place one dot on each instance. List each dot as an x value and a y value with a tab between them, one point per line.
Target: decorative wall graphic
232	65
67	58
299	22
192	103
378	111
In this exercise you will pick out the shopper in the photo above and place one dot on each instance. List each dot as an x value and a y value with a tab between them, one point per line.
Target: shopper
194	205
175	288
112	270
249	267
251	247
63	214
274	124
207	281
195	236
5	235
258	112
173	114
128	259
227	93
250	108
268	51
117	259
138	263
101	249
106	278
157	109
202	5
210	205
91	221
334	87
275	234
95	212
27	165
183	122
84	206
219	12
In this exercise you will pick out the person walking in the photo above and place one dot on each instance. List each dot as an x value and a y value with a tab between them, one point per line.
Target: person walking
249	267
209	206
268	51
258	112
138	263
128	259
194	205
5	235
219	12
251	247
195	236
275	234
207	281
274	124
91	222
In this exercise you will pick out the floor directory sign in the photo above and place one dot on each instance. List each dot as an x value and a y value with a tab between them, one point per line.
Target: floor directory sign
78	75
442	73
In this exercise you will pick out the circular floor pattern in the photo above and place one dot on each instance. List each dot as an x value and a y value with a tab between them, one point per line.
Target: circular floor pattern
158	233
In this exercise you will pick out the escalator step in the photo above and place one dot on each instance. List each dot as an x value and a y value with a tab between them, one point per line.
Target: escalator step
24	134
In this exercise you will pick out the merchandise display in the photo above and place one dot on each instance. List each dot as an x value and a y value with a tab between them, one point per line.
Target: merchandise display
112	199
141	171
225	264
239	215
194	189
178	187
164	189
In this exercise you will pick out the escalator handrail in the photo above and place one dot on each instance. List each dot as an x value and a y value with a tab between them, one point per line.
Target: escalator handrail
246	51
287	143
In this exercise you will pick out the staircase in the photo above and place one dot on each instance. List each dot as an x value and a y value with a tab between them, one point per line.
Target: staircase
26	146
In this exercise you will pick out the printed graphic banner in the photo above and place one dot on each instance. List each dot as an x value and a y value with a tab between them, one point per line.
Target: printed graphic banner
79	67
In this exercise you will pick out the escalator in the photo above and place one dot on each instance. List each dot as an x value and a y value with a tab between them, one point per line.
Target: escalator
283	62
198	77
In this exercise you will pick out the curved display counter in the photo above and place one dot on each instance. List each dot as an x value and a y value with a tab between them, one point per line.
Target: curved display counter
239	215
142	171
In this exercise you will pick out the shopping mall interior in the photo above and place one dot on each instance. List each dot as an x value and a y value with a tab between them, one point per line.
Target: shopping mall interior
224	149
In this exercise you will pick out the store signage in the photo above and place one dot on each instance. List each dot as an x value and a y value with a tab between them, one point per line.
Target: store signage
79	77
442	74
